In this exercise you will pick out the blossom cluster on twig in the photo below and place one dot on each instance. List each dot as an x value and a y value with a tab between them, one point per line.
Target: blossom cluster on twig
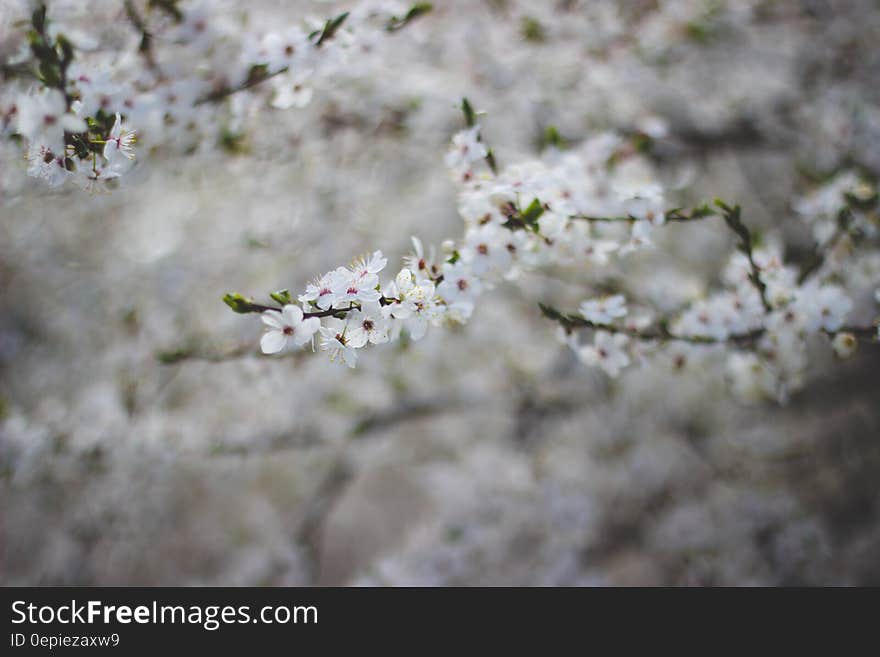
579	207
187	78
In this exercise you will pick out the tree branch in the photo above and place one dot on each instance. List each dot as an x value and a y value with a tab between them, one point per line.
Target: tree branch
146	45
659	333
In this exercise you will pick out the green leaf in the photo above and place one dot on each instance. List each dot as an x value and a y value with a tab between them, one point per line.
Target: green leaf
721	204
702	211
330	28
552	137
234	143
418	9
470	117
490	159
48	74
532	30
530	214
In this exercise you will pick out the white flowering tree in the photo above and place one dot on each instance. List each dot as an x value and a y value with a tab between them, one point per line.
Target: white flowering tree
633	236
186	78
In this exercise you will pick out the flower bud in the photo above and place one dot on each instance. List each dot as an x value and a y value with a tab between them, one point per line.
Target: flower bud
844	344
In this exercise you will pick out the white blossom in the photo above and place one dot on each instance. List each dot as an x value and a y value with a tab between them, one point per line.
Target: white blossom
844	344
121	140
604	310
608	351
339	343
466	149
286	328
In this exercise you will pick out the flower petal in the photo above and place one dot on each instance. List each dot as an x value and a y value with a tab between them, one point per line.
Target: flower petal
309	326
272	342
292	314
272	318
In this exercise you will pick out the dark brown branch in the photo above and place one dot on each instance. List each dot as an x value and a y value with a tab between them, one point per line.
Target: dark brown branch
405	410
674	215
659	333
243	306
330	312
210	355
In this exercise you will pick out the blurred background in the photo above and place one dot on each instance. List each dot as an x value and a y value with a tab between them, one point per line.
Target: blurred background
484	456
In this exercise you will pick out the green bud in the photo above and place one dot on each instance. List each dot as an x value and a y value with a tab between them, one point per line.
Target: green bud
238	303
282	297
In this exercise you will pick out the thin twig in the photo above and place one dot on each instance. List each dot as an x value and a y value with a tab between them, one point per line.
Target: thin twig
146	45
659	333
821	253
252	81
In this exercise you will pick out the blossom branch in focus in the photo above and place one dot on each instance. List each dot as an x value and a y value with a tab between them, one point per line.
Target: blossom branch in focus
577	208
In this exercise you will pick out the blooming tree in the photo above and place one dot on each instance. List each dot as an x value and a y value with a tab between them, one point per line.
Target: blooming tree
582	207
487	451
186	78
192	76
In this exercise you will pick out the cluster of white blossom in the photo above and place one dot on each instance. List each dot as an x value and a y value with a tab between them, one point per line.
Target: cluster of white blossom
187	76
585	206
525	469
768	311
516	220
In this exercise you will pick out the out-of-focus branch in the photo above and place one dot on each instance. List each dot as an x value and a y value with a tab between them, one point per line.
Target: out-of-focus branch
402	411
216	354
659	333
821	253
145	48
256	76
